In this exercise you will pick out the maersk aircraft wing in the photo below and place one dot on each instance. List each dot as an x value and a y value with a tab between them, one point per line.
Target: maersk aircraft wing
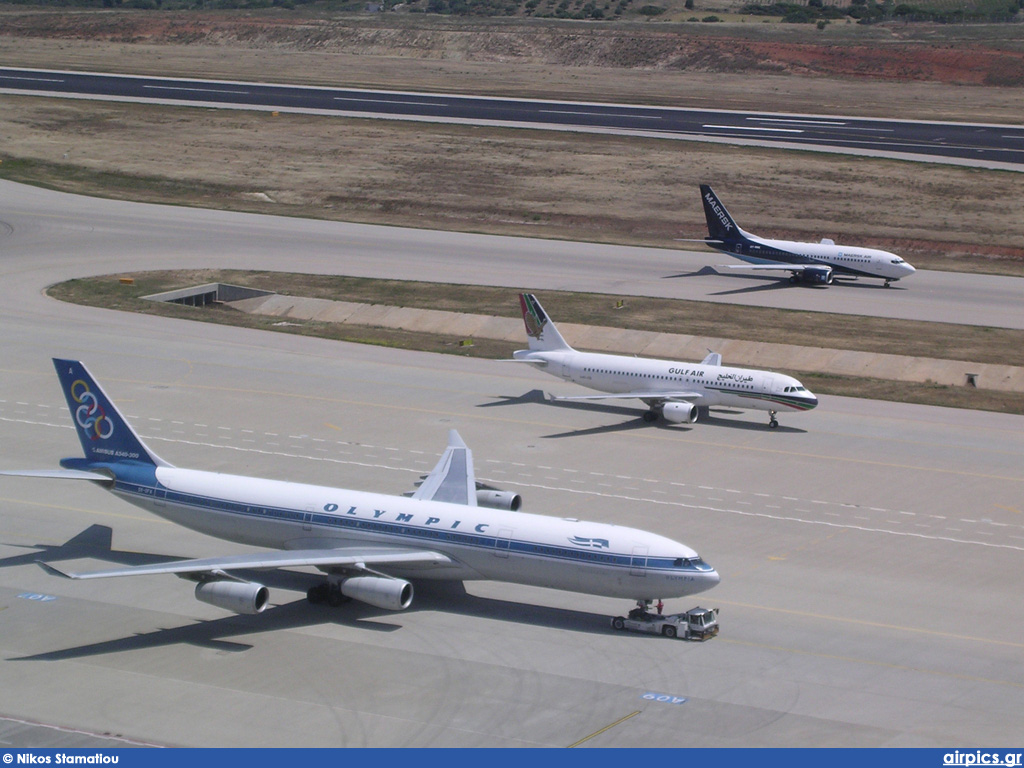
772	265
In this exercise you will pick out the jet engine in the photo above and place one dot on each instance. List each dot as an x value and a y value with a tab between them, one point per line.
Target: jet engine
495	499
239	596
378	591
679	413
817	275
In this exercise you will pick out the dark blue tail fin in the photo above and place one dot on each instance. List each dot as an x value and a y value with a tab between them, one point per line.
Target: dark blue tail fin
721	226
105	435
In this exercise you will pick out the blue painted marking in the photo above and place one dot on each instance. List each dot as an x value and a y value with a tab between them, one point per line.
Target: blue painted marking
664	698
39	598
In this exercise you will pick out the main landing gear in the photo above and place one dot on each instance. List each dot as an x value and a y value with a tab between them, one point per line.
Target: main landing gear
651	416
326	592
772	421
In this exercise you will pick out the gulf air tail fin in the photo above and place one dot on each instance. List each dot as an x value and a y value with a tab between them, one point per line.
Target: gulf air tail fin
721	226
540	331
105	435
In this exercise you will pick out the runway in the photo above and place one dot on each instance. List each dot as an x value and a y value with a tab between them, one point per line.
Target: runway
871	553
993	146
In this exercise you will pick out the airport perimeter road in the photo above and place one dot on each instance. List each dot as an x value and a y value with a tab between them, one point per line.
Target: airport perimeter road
54	236
871	553
992	145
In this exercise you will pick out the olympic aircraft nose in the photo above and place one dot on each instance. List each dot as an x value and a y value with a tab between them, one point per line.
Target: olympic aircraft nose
710	579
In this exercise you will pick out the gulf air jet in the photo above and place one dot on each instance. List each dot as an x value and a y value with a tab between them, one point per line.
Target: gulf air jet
673	390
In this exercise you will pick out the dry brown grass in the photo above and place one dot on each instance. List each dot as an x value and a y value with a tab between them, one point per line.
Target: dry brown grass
502	181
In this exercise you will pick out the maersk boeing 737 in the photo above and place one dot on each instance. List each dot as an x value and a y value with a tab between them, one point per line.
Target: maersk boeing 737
367	544
671	389
815	263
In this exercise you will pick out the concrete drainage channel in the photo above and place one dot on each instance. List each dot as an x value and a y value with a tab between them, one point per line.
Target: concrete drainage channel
211	293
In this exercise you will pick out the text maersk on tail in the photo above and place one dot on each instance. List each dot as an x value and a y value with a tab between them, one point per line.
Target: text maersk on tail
367	545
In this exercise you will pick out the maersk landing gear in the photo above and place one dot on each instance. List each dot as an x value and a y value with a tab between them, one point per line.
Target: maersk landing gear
326	592
772	421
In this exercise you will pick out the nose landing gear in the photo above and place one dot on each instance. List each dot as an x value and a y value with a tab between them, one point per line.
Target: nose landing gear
772	421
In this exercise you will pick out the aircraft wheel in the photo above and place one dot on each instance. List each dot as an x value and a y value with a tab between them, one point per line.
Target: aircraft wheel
650	416
618	623
773	424
316	595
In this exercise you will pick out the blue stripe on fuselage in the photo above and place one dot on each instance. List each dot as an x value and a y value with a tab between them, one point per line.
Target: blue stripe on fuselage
138	481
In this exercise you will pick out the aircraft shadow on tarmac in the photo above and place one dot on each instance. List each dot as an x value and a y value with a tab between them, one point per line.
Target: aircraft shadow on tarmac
216	634
94	542
539	397
774	282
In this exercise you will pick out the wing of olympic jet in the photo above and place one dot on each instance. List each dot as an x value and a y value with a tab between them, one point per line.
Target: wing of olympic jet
452	480
362	559
659	396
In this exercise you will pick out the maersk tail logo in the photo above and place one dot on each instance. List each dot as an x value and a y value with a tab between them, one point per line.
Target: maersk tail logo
533	316
90	415
581	541
723	217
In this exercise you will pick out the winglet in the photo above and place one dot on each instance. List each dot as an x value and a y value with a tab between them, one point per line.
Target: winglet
55	571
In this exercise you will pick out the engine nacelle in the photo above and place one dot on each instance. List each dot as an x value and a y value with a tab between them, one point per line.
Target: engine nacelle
239	596
679	413
818	275
380	592
499	499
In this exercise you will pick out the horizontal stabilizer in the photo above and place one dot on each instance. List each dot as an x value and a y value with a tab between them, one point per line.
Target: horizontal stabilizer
531	361
60	474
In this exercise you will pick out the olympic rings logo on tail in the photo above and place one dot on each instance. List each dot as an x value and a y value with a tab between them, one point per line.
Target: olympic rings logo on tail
89	414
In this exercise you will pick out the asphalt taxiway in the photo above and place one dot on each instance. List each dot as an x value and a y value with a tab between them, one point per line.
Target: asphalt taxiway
871	553
55	236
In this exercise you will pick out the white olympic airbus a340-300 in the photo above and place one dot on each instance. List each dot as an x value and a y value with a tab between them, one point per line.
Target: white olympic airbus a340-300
367	544
672	389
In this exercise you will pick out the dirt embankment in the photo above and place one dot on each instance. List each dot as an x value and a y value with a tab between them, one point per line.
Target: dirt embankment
885	55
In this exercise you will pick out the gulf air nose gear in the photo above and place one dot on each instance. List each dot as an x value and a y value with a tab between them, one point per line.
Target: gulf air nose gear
772	421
